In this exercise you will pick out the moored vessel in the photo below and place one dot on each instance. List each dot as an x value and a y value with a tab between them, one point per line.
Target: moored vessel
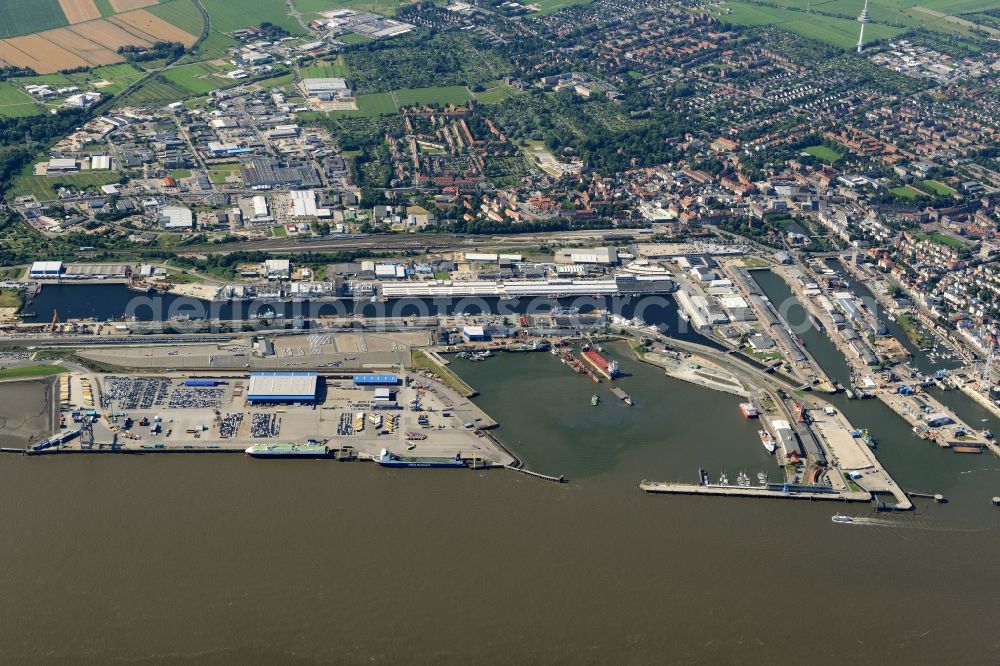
387	459
310	450
749	410
538	345
767	440
605	367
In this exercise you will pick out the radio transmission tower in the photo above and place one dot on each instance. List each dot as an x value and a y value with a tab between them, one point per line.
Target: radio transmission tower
863	19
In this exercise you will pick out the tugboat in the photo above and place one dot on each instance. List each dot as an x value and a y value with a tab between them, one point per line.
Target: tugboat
594	400
867	438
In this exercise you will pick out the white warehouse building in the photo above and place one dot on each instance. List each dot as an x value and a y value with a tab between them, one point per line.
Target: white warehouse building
46	269
597	255
176	217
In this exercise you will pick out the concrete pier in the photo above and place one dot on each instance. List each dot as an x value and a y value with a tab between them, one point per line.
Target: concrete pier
773	491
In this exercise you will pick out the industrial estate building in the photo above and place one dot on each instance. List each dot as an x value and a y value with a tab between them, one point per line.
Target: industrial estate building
264	173
326	90
176	217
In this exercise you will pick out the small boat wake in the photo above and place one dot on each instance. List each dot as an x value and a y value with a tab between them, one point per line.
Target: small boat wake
900	523
980	469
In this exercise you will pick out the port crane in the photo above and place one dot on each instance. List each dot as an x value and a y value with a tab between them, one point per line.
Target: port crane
87	434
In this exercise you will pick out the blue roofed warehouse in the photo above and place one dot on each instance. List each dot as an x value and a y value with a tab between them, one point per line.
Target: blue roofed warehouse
376	380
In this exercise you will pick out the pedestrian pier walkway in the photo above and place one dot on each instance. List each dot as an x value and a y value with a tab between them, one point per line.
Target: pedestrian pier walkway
555	479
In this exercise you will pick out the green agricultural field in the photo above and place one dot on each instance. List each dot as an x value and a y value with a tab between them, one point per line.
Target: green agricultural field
44	187
549	6
839	32
884	13
436	95
51	79
23	17
881	11
936	187
29	371
104	6
120	76
157	91
387	7
15	103
956	7
214	46
228	15
182	13
277	81
496	93
198	78
326	70
828	155
379	104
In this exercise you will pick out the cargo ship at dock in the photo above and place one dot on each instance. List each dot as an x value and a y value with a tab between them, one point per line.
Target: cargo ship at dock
603	366
386	459
289	451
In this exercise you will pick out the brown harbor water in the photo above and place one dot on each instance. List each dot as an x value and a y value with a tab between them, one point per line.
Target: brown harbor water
190	559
